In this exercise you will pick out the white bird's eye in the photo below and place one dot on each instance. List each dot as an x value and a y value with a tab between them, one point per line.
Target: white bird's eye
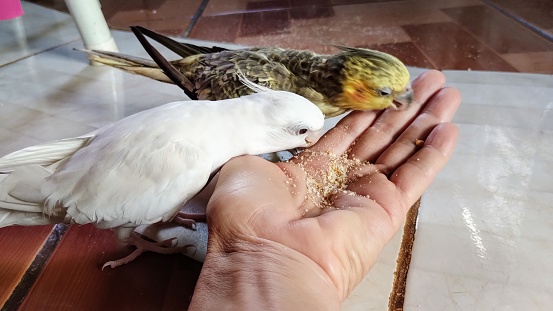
385	91
302	131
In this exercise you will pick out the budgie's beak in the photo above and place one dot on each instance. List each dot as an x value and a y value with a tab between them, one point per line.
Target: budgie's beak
404	99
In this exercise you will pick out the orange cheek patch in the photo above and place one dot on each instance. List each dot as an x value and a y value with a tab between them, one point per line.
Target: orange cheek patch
357	97
356	92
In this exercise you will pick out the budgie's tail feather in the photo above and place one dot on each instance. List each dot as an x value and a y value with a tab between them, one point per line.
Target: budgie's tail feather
168	68
21	202
130	64
180	48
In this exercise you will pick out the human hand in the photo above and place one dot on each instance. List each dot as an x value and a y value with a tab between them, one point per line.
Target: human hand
267	227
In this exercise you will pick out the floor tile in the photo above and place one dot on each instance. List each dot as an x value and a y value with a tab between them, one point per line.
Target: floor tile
11	141
436	40
320	39
484	228
73	280
170	17
20	246
496	79
305	9
384	14
352	24
52	4
149	10
428	4
536	62
437	291
407	52
76	96
36	31
515	95
346	2
501	116
498	31
264	20
535	12
224	7
39	125
222	28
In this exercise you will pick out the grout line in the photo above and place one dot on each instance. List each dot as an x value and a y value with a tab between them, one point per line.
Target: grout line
399	288
520	20
33	272
195	18
38	52
430	60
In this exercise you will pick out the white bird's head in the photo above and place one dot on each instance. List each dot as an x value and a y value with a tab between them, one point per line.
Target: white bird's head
290	120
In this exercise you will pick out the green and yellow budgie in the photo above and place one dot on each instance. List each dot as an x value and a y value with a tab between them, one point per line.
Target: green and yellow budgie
355	79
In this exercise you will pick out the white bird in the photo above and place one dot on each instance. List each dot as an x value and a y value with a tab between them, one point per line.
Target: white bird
143	168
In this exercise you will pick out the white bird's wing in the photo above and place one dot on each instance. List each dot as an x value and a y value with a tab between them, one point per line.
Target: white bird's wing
138	180
44	154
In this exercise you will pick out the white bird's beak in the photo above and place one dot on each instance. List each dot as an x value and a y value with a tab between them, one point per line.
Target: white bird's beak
312	138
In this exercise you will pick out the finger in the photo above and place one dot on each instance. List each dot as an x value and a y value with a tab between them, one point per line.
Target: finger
391	123
413	177
398	193
338	139
440	108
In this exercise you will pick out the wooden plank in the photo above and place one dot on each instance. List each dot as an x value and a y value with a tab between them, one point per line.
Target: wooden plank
73	279
19	246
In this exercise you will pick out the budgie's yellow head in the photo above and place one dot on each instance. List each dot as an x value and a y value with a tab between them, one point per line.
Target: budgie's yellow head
373	80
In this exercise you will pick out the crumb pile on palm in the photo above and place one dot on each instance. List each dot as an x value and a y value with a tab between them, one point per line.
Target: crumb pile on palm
338	172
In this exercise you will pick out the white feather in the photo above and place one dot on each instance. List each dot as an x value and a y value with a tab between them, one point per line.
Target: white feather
250	84
43	154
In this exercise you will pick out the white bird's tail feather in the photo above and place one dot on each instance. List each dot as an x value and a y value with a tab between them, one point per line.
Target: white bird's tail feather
44	154
22	174
21	202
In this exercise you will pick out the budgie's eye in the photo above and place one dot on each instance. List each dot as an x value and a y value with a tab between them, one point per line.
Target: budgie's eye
302	131
385	91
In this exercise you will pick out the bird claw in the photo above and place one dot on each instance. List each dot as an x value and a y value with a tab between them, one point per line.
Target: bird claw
142	245
188	220
125	260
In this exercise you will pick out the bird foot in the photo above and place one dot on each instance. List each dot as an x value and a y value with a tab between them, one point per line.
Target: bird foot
188	220
295	151
142	245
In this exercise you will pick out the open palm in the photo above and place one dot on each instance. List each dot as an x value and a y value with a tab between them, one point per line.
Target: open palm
261	203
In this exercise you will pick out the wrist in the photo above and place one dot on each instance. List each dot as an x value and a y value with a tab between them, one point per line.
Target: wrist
262	274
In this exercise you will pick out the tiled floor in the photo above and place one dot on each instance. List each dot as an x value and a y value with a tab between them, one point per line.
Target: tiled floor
499	35
483	238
